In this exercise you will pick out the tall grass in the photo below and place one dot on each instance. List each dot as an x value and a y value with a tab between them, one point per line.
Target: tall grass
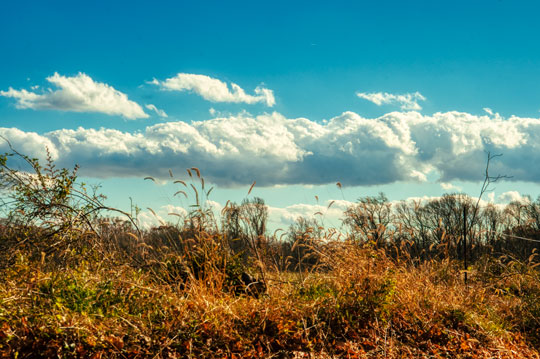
78	283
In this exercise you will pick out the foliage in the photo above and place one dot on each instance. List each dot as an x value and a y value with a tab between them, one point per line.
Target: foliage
223	287
46	209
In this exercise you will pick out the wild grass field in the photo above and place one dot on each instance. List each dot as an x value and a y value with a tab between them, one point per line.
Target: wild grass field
82	280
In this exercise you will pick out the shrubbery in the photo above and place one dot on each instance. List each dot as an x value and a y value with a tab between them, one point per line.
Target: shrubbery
80	279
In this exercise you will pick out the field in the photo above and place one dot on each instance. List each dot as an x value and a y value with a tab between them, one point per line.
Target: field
82	280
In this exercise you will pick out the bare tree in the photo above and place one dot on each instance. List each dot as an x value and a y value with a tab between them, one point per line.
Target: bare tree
370	217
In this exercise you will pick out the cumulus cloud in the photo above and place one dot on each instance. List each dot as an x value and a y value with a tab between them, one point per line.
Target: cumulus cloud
165	214
29	143
450	187
171	210
147	219
512	196
273	149
408	101
215	90
214	206
159	112
79	94
331	213
328	214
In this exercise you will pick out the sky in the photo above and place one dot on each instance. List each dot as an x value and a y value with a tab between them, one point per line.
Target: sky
405	98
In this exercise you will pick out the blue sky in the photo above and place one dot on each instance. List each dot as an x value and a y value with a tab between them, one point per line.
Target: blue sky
400	97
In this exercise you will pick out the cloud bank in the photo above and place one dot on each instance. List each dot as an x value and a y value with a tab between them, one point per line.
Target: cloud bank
408	101
161	216
331	212
273	149
214	90
78	94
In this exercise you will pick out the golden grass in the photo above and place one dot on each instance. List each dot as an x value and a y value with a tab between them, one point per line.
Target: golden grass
74	285
362	305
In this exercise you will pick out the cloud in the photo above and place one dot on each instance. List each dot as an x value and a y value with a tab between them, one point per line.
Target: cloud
78	94
176	211
214	90
512	196
28	143
450	187
147	220
408	101
275	150
213	205
418	176
159	112
163	215
331	213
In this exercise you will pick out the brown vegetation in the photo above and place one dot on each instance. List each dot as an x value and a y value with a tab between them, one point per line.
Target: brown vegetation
76	283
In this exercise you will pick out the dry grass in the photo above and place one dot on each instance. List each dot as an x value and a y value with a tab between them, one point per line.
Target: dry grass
362	305
75	285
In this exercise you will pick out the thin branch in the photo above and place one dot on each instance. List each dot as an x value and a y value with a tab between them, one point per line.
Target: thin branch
488	180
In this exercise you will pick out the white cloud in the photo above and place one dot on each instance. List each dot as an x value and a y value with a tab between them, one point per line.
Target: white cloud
450	187
147	219
79	94
159	112
214	206
272	149
28	143
490	112
329	213
512	196
163	215
176	211
331	217
215	90
408	101
419	176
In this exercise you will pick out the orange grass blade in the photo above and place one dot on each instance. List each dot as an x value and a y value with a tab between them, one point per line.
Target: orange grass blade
250	188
